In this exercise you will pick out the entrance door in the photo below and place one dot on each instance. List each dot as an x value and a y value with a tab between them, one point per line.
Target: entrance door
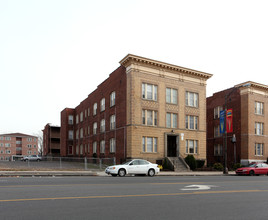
172	146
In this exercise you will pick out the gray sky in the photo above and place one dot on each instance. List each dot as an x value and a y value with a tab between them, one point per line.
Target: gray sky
53	53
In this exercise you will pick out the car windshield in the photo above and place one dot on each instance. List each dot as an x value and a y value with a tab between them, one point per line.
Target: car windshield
252	165
127	163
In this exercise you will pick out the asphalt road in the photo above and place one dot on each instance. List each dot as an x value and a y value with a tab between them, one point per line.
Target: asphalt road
160	197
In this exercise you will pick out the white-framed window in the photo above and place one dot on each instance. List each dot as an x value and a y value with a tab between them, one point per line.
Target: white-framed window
149	91
217	150
149	144
102	147
217	131
77	150
8	145
258	149
81	133
8	151
112	99
88	148
149	117
95	127
171	120
85	113
259	108
102	125
191	99
1	138
29	145
95	107
102	104
29	152
171	96
191	122
2	145
88	112
259	128
28	139
88	130
217	111
81	116
112	122
71	134
70	119
191	146
77	119
94	147
112	145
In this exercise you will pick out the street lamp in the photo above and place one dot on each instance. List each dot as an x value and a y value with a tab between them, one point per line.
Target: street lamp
225	170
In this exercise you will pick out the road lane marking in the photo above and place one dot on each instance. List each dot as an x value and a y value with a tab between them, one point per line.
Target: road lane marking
198	187
129	196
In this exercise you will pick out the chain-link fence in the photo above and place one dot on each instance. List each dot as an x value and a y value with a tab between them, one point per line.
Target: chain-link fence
59	163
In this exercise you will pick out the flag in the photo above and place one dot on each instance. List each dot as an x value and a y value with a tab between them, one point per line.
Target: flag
229	120
222	118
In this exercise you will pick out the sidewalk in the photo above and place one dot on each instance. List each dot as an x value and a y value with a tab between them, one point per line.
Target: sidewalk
102	173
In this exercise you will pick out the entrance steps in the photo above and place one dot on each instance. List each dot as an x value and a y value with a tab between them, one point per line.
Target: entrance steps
179	164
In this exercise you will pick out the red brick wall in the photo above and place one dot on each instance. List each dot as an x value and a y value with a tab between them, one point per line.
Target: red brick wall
115	82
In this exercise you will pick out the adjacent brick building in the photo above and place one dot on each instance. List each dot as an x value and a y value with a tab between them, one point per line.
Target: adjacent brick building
17	144
144	109
51	140
249	103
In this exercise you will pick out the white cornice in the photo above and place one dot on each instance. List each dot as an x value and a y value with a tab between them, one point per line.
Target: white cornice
133	59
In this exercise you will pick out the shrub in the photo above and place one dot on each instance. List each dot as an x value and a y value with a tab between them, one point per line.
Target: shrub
190	160
236	166
218	166
200	163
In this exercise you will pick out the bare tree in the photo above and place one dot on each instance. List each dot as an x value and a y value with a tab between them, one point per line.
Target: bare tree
40	142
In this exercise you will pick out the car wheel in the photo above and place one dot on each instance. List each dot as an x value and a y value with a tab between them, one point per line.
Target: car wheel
114	175
251	173
151	172
121	172
38	160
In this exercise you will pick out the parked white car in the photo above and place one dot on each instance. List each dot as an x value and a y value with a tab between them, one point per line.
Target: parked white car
136	166
32	158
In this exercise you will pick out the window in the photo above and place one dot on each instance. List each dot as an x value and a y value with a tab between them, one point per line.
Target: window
217	131
171	96
191	99
81	149
70	119
191	122
217	150
258	128
88	111
94	147
9	145
149	117
77	150
259	108
149	91
191	146
217	111
71	134
112	122
95	126
102	105
81	116
258	149
70	150
81	132
112	99
77	134
149	144
8	152
95	107
102	125
85	113
77	119
112	145
171	120
102	147
28	139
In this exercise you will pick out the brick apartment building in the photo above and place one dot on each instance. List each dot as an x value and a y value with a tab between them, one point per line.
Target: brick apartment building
17	144
51	140
144	109
249	103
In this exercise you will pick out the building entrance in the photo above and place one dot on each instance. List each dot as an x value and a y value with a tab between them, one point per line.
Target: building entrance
172	146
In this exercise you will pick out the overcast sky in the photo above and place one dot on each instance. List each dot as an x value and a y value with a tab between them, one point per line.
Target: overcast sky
53	53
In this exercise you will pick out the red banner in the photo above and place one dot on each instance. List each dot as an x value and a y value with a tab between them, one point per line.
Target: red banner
229	121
